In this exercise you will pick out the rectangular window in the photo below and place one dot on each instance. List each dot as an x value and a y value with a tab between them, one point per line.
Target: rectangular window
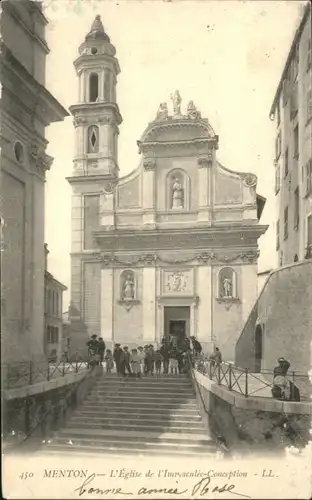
296	141
307	178
296	208
309	231
285	91
278	146
309	54
286	223
278	112
277	235
277	178
294	101
286	166
309	105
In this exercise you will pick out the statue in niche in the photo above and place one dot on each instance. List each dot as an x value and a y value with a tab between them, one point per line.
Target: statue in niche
227	287
177	194
128	287
162	113
176	101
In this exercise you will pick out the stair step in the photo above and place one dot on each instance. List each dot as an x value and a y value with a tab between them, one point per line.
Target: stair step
117	409
120	426
119	451
134	435
140	398
106	412
85	420
146	392
150	406
134	445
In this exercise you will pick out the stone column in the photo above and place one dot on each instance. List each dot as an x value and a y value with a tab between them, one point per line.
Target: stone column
149	166
204	291
149	304
101	85
107	305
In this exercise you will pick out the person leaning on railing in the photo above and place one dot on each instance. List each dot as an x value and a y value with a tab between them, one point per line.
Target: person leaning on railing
283	389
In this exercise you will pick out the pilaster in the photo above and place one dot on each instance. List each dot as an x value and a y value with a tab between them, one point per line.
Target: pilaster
204	187
107	304
149	191
204	291
149	305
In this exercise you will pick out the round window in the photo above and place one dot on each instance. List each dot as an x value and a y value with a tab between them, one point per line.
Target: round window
94	50
19	152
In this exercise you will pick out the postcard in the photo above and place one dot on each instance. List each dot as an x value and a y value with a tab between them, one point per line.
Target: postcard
156	249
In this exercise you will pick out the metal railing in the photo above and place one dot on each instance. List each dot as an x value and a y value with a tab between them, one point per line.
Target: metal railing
21	374
248	383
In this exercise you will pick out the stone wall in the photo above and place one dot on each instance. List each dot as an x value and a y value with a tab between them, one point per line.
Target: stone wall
284	312
252	423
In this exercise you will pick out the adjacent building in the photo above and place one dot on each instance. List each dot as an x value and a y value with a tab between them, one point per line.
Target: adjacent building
27	108
292	112
54	344
170	249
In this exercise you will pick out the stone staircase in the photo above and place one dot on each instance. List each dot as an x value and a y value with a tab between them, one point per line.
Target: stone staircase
152	415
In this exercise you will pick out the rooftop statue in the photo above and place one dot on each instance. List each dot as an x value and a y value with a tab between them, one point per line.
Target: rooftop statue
192	111
176	100
162	113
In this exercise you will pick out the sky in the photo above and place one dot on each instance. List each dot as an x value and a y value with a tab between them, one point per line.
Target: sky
226	56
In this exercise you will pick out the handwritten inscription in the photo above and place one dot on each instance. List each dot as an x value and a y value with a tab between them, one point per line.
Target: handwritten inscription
201	488
204	486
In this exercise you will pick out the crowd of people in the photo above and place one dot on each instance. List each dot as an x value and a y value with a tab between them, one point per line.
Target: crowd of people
173	357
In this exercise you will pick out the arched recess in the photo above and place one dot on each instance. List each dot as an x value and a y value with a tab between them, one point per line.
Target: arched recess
128	285
258	348
296	259
93	139
178	190
93	87
227	283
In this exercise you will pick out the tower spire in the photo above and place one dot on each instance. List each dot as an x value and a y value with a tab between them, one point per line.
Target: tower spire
97	30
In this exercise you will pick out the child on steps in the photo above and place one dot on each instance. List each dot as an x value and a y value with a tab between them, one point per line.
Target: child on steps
135	363
109	361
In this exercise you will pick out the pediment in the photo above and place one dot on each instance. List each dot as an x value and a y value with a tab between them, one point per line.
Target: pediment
173	130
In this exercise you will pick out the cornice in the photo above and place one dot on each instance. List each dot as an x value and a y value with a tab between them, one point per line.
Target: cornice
145	146
89	109
46	106
108	259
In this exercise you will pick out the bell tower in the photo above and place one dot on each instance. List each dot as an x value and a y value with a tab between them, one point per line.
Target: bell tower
96	116
95	173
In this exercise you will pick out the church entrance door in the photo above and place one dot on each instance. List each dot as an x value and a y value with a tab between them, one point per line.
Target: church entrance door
177	323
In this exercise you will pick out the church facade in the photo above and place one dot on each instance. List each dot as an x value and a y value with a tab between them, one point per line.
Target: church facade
170	249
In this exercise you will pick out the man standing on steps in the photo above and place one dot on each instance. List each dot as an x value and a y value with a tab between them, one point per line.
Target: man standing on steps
101	349
165	352
126	361
118	356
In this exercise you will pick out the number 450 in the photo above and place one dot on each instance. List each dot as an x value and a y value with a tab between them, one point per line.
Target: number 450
26	475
